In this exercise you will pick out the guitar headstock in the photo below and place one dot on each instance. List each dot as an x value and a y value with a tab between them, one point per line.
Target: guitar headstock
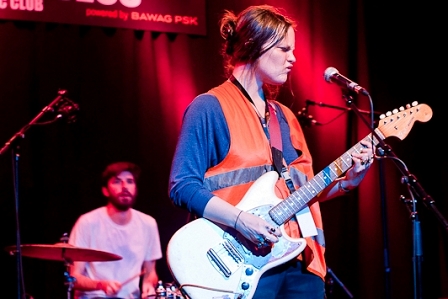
398	122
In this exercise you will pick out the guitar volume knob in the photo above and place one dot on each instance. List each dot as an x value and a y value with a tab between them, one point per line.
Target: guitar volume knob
249	271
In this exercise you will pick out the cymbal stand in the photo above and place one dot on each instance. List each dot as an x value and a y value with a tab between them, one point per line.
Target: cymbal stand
61	107
69	280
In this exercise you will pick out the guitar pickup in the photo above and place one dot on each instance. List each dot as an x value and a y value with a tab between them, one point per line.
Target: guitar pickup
225	258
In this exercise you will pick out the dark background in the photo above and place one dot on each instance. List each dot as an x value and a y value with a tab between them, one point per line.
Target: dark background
133	86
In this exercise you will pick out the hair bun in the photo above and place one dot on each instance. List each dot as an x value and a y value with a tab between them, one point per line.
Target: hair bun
228	30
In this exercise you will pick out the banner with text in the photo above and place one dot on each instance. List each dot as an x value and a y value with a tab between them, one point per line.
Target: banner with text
178	16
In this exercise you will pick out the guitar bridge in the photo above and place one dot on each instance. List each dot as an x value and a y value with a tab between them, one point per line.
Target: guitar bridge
225	258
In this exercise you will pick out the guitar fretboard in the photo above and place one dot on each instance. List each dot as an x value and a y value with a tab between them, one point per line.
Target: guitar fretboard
287	208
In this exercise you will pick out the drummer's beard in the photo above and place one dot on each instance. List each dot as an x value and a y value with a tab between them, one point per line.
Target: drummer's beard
123	201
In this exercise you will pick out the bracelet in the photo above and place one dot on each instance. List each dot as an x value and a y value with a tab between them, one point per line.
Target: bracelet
341	188
237	217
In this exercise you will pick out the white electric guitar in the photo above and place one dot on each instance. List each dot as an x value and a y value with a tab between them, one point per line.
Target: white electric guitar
212	261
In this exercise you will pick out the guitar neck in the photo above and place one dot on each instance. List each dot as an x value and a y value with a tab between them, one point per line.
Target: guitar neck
287	208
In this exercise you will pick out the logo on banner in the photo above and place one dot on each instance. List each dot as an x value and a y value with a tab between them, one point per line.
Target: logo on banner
164	16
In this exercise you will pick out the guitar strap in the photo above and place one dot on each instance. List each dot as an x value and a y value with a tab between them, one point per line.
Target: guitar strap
304	217
276	147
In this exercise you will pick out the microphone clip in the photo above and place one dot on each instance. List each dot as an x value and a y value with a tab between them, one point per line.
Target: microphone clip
68	109
306	120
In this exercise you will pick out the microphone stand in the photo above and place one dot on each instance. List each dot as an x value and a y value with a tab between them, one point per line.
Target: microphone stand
416	190
13	144
330	282
384	225
321	104
417	243
305	120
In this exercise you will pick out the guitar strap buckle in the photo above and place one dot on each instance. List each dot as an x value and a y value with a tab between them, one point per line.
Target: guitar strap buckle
288	180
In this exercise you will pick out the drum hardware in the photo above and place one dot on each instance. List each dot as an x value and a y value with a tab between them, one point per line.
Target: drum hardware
166	291
62	251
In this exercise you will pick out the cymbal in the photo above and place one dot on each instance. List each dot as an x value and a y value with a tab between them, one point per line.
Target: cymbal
64	252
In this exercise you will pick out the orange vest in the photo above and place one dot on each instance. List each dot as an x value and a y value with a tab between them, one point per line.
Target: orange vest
250	156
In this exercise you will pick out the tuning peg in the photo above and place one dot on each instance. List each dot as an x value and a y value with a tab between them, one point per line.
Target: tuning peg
413	104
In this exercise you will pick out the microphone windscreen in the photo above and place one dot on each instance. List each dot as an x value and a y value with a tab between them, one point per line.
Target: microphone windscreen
329	72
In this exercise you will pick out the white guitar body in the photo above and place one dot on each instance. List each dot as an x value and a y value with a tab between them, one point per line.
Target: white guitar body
211	261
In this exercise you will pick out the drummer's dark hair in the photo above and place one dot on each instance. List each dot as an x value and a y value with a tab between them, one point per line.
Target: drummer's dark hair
116	168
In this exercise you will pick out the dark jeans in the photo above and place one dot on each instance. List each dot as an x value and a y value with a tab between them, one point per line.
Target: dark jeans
290	281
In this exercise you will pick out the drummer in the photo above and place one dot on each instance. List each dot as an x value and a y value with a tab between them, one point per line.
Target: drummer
119	229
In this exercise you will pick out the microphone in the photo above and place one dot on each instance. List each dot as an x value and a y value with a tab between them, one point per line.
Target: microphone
67	109
332	75
310	102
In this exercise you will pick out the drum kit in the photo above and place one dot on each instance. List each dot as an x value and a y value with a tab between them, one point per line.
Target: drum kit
63	252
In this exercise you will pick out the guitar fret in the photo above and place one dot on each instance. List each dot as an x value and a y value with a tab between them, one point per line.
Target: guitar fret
291	207
307	189
302	190
356	150
287	207
333	172
275	215
347	159
339	169
324	177
315	186
375	139
320	186
298	203
278	219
